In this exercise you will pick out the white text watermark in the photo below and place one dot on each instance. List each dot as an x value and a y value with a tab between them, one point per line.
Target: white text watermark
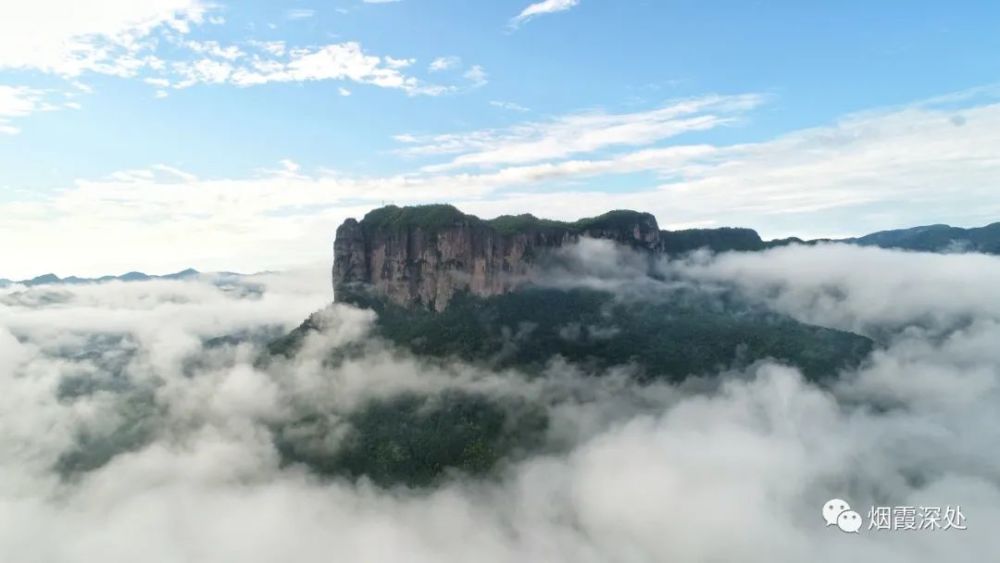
837	512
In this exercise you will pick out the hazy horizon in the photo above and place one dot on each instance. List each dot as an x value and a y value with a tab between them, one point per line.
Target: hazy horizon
329	261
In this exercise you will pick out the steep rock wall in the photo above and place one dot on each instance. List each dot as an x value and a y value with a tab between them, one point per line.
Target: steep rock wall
423	256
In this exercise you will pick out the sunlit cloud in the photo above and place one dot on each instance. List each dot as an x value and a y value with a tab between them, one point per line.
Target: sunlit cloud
542	8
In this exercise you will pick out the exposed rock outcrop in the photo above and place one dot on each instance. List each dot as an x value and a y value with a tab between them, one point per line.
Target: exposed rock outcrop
422	256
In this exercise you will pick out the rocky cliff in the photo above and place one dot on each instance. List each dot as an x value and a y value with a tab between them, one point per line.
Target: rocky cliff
422	256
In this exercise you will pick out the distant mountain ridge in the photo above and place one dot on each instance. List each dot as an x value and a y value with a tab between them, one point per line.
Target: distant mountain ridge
928	238
937	238
52	279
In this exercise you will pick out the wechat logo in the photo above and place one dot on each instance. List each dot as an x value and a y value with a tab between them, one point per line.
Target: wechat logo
837	512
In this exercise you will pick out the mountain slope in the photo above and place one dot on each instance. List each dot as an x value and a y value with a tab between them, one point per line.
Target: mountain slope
670	336
936	238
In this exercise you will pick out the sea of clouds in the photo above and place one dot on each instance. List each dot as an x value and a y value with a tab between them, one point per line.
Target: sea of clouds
136	424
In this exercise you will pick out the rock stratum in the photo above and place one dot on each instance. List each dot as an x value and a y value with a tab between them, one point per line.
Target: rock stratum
423	256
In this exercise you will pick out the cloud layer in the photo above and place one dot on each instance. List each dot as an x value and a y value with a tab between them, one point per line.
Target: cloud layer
647	472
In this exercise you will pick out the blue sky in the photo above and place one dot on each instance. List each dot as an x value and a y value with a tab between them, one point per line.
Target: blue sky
161	134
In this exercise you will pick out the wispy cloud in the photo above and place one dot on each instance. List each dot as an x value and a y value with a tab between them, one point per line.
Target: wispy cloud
542	8
275	62
130	39
444	63
477	76
881	169
580	133
300	13
20	101
509	106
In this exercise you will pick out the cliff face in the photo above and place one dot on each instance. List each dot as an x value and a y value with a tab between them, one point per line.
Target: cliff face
423	256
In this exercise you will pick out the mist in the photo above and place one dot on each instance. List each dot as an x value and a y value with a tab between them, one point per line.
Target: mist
138	422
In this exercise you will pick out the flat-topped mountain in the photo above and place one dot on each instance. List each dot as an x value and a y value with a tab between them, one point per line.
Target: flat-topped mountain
425	255
447	287
444	284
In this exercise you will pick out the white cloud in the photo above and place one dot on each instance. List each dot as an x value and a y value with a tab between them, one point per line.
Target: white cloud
912	286
146	216
290	166
18	102
477	76
399	63
542	8
123	38
873	171
300	13
895	168
274	61
203	71
509	106
68	38
582	133
650	472
215	49
444	63
339	61
276	48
